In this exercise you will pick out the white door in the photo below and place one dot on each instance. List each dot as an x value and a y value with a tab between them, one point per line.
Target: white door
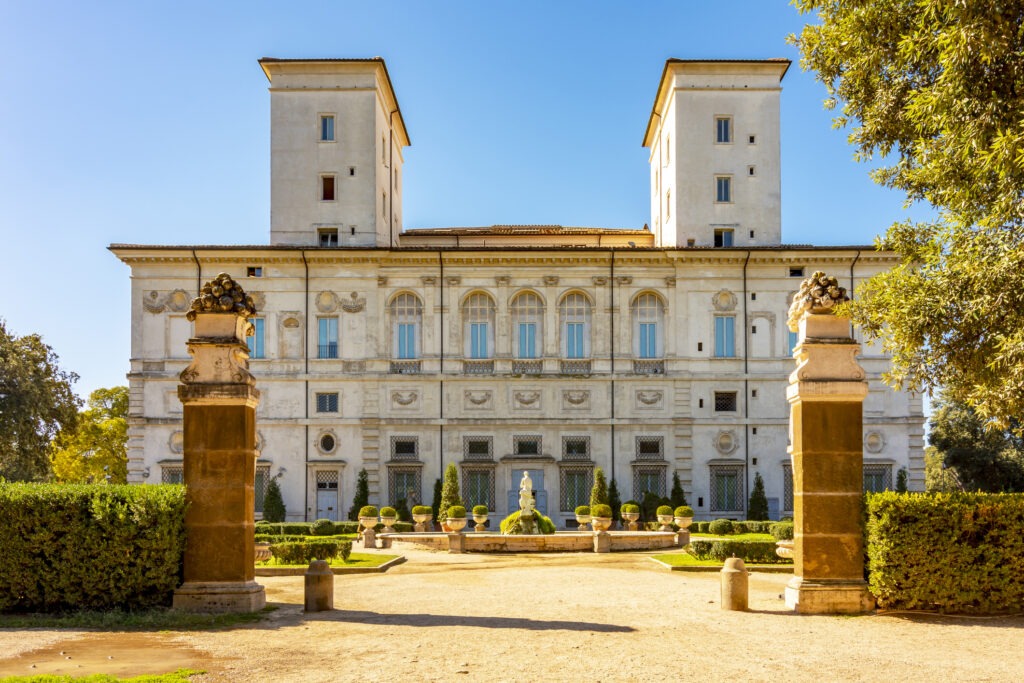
327	503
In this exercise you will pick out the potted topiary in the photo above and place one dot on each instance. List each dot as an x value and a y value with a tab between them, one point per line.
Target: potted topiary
387	518
583	516
456	518
600	517
664	514
480	517
368	516
630	512
683	516
421	514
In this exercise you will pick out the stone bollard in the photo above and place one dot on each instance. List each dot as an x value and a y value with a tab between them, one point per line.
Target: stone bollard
319	587
369	538
734	585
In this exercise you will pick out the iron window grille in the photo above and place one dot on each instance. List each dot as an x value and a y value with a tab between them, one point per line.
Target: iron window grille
478	448
877	478
526	445
650	448
574	485
649	477
478	485
787	487
172	474
404	483
726	488
404	448
725	401
327	403
576	448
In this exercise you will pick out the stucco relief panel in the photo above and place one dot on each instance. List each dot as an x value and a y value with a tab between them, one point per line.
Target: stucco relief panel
527	399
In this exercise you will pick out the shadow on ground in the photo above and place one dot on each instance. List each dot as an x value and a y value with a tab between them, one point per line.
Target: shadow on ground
428	620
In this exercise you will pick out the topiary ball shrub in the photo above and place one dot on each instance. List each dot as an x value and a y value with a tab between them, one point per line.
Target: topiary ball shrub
720	527
629	508
457	511
582	510
322	527
480	510
664	510
422	510
684	511
781	531
388	512
368	511
511	524
601	510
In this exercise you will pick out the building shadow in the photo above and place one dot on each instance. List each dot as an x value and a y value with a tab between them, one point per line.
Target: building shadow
429	620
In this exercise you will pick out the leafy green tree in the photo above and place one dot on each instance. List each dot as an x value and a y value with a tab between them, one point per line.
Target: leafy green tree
757	506
449	492
36	402
96	450
362	496
599	492
676	496
935	90
436	503
614	501
273	503
981	458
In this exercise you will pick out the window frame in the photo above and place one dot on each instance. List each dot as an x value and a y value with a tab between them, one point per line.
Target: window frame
725	336
723	181
478	315
332	180
327	337
527	309
727	129
575	325
328	130
406	312
257	348
647	313
328	399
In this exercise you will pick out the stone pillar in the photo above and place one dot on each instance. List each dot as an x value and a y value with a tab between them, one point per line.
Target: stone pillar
219	402
826	393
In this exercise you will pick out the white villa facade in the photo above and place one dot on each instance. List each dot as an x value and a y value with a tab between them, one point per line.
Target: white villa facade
646	352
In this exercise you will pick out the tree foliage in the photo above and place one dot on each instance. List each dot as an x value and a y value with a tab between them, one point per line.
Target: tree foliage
676	495
273	503
362	496
757	506
976	456
614	500
96	450
36	402
599	492
935	89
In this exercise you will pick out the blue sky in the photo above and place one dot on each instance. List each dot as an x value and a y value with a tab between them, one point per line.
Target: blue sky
148	122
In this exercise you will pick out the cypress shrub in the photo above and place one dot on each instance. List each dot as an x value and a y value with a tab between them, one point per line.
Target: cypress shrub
362	496
955	552
435	506
757	506
273	504
614	500
677	497
92	547
599	492
450	492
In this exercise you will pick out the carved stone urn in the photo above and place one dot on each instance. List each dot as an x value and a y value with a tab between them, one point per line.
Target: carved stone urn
683	522
600	523
631	517
421	521
456	524
666	522
262	552
583	521
368	522
480	520
389	523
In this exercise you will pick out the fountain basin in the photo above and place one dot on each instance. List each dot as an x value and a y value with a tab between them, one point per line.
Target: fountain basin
562	541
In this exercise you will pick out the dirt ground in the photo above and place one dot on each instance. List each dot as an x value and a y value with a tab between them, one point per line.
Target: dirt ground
551	617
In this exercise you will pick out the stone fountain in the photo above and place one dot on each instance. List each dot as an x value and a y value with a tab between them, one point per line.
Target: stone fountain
527	512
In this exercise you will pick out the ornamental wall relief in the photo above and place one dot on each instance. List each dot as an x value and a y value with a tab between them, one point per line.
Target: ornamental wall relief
647	399
477	399
725	442
724	300
326	302
576	399
405	399
354	303
527	399
157	302
874	442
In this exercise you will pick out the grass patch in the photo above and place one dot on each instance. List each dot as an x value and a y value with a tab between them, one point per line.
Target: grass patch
354	560
179	676
733	537
156	619
686	560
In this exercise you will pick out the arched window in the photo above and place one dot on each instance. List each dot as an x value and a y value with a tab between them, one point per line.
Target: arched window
574	315
406	318
478	326
527	326
648	326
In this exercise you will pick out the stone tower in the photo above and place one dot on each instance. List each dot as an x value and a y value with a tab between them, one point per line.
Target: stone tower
713	137
336	140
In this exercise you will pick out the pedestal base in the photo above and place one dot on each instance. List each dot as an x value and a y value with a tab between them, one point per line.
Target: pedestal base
220	596
602	542
369	538
821	596
456	543
682	538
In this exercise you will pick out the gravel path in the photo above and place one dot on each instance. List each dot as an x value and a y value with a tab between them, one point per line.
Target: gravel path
564	617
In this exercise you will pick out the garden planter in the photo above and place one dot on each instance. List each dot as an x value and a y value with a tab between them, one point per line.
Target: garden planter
480	521
456	524
262	552
583	521
784	549
388	523
601	523
421	522
666	522
631	517
684	522
368	522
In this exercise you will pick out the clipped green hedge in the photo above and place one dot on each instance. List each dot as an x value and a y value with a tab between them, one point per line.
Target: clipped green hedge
954	552
753	552
306	552
87	546
781	531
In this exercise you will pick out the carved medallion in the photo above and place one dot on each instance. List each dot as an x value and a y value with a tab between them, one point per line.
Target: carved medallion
354	304
176	442
724	300
327	302
725	442
178	300
874	442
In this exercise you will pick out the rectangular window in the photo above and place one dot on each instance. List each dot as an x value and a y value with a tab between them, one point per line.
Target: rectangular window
877	478
326	128
260	489
255	340
526	445
723	237
648	340
725	488
723	189
576	448
725	401
404	448
404	484
254	271
574	340
478	340
723	130
327	188
327	338
406	340
327	402
575	484
650	448
328	237
725	337
648	478
787	487
796	271
527	340
172	474
477	448
792	338
479	485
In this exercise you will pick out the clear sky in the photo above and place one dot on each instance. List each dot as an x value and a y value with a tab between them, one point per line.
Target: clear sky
148	122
